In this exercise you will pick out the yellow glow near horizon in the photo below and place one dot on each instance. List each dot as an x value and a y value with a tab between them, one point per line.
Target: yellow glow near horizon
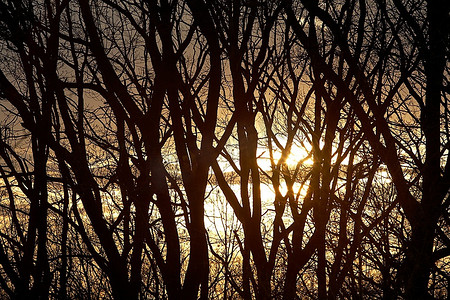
298	155
295	156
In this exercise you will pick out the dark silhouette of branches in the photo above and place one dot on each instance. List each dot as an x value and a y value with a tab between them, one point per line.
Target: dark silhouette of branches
224	149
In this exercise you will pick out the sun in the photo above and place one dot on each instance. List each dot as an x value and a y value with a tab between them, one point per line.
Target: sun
299	155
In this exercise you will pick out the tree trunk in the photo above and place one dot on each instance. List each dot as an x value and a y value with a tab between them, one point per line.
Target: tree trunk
419	255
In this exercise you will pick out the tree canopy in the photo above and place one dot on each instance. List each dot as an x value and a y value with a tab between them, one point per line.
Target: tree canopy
224	149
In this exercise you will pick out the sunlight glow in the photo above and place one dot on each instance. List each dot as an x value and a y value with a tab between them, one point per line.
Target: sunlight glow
297	155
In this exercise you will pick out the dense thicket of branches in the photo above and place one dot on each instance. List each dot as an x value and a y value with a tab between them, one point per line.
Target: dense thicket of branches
224	149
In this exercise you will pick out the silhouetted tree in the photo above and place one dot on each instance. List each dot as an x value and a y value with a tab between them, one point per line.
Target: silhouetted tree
221	149
391	49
